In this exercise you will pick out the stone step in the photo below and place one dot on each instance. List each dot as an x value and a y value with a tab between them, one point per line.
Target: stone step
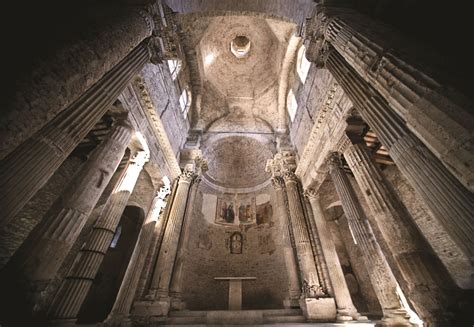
185	320
282	312
187	313
283	319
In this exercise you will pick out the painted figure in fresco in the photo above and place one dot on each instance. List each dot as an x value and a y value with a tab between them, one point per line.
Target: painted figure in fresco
229	215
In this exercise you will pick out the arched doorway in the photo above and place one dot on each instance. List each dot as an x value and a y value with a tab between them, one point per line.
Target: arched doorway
101	297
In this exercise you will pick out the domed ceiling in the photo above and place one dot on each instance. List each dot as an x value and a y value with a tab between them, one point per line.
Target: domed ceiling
243	91
237	162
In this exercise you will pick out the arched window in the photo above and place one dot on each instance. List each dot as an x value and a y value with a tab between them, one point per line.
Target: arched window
185	101
291	105
236	243
174	66
302	64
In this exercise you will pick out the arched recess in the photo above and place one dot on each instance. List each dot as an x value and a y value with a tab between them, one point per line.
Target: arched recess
101	296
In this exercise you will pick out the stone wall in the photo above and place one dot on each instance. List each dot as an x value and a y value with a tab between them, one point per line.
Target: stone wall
209	256
310	96
15	233
165	95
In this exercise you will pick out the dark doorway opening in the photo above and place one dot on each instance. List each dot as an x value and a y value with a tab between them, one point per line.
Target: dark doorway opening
101	296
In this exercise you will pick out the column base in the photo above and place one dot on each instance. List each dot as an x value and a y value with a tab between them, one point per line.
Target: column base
291	303
160	307
177	304
396	317
118	320
322	309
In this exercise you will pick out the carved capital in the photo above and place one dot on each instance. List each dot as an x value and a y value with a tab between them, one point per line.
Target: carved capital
311	193
278	183
334	161
154	49
289	176
343	144
186	176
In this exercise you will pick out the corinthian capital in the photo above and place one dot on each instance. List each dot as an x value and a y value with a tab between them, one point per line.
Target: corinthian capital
311	193
334	161
187	176
278	183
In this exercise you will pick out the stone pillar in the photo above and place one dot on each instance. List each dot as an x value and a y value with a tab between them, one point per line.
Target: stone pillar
450	203
439	116
158	292
126	294
80	64
323	273
315	304
288	250
345	308
33	264
24	171
176	282
381	276
421	279
74	290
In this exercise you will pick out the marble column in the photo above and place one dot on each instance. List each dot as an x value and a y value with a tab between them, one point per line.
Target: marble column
381	276
24	171
177	279
439	116
288	251
420	278
314	302
450	203
68	72
323	273
159	291
33	264
79	280
345	308
123	303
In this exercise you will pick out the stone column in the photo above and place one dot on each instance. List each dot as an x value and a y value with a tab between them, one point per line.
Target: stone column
24	171
316	305
450	203
288	250
345	308
160	283
177	280
390	63
77	284
56	82
323	273
420	277
33	264
126	294
381	276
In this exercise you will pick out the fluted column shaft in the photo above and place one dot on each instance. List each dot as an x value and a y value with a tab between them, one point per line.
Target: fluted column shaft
420	278
33	263
381	276
323	273
345	307
129	285
441	118
450	203
54	83
24	171
159	287
309	275
177	279
74	290
288	251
